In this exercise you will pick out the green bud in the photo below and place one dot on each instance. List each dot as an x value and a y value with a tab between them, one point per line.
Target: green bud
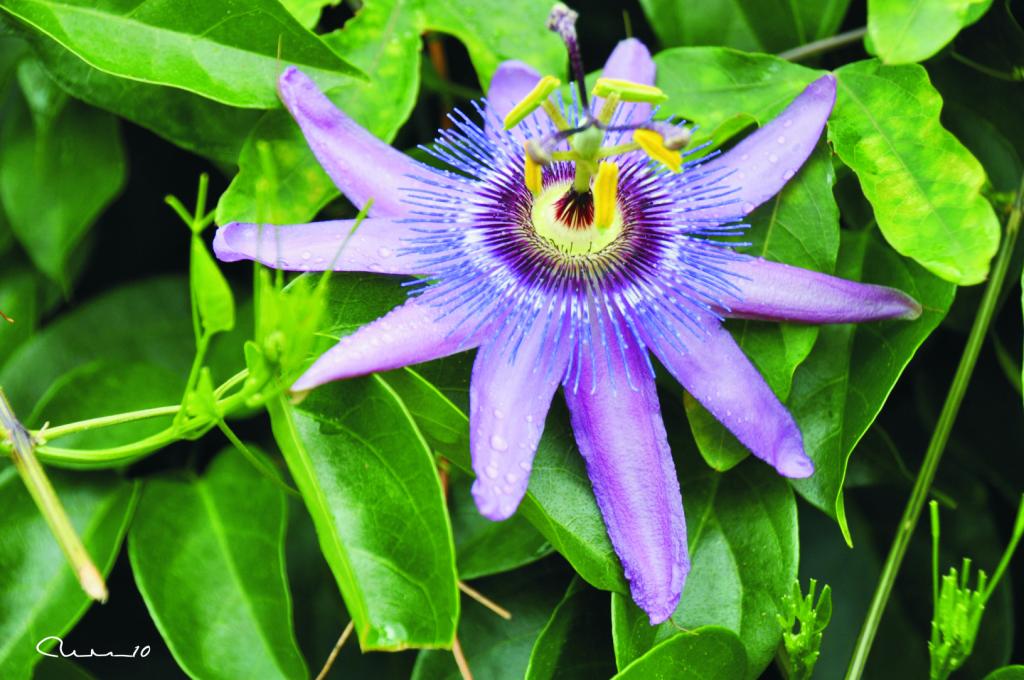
801	644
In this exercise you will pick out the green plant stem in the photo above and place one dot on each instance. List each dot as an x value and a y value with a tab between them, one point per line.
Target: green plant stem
826	45
51	433
42	492
937	445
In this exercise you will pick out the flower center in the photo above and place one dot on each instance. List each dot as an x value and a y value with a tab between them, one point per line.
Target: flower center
565	219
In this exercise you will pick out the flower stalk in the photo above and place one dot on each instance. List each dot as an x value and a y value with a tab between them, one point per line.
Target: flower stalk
39	487
937	445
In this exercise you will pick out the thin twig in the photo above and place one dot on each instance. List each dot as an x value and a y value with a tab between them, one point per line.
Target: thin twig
937	445
460	660
485	601
334	652
825	45
42	492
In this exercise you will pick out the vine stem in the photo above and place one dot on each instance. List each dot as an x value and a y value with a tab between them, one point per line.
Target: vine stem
825	45
42	492
937	445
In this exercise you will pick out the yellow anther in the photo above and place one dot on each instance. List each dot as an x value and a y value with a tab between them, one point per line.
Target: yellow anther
540	92
629	91
531	172
606	186
653	144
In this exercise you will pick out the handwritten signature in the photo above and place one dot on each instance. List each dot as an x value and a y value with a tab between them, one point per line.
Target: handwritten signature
137	653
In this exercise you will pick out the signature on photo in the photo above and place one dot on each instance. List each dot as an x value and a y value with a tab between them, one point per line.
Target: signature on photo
60	652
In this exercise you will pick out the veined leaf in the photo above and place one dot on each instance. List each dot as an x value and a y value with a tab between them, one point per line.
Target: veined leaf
905	31
575	643
707	653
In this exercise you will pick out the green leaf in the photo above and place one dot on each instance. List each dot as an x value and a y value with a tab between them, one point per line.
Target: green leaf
370	484
841	387
207	555
495	647
39	594
211	291
279	180
483	547
707	653
19	299
494	30
51	197
905	31
194	123
800	226
750	25
1007	673
743	551
710	86
559	501
575	643
307	12
924	185
60	669
230	51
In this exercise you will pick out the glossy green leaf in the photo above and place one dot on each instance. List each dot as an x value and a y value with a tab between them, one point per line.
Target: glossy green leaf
905	31
39	594
843	384
722	89
279	180
227	50
207	555
576	642
195	123
49	195
210	290
494	30
1007	673
368	480
924	185
800	226
19	299
60	669
751	25
307	12
742	532
495	647
559	501
707	653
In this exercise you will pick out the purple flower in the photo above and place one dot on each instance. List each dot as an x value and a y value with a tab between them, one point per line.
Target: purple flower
568	264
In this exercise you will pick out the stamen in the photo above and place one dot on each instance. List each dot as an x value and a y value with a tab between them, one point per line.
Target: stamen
629	91
562	21
675	137
605	191
536	98
653	144
532	172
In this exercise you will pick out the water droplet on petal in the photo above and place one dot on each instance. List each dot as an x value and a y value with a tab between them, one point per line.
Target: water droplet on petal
306	254
498	413
781	140
498	443
773	159
747	207
525	466
745	157
787	123
492	471
511	478
384	252
529	418
788	175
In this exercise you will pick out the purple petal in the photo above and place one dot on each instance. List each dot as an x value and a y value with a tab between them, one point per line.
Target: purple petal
761	164
410	334
361	165
630	60
511	83
714	370
622	438
772	291
374	247
509	400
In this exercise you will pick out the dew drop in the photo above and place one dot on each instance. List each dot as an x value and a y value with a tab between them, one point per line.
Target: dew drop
511	478
384	252
781	140
492	471
498	443
306	254
787	123
747	207
741	175
529	418
525	466
499	414
773	159
745	157
788	175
